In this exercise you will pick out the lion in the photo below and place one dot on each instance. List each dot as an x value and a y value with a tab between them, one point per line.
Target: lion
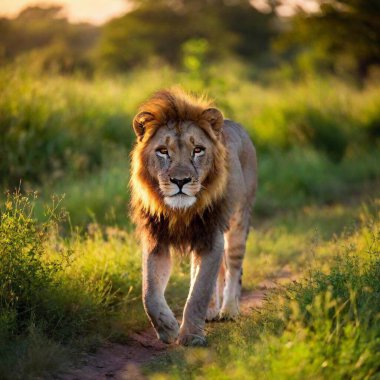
193	183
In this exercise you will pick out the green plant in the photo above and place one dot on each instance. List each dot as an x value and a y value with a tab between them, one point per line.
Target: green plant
325	326
25	271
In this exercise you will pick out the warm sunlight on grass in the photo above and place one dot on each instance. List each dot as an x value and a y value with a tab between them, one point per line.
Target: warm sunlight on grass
325	325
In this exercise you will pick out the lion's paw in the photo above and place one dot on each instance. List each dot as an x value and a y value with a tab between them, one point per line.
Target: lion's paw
167	328
212	314
192	340
229	312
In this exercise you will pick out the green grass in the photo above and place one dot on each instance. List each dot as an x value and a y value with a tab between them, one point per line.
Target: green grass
63	295
93	290
326	325
101	197
54	126
303	177
70	281
299	238
317	140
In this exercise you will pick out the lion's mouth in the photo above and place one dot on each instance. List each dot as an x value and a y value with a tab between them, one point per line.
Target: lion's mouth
180	193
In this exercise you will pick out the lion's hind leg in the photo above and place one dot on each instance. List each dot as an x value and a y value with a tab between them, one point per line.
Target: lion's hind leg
235	242
217	296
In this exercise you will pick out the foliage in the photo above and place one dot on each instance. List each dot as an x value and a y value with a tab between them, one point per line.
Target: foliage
145	34
194	53
50	127
89	297
307	43
69	135
58	295
343	36
66	287
53	126
24	273
304	176
326	326
150	31
62	47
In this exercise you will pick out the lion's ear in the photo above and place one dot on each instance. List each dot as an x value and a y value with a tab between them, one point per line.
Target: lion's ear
139	122
214	117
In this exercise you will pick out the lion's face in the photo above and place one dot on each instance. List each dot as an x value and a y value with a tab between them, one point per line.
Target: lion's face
179	165
180	158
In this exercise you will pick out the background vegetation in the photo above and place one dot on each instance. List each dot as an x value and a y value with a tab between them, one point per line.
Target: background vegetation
306	88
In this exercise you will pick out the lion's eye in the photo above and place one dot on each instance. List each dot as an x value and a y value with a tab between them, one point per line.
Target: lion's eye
162	152
198	151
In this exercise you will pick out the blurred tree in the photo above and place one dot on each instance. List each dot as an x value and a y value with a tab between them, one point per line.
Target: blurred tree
344	35
161	28
60	45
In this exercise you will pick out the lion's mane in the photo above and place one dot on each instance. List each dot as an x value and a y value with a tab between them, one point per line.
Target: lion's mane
154	219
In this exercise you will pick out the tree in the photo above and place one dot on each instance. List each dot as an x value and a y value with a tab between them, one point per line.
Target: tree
342	34
44	30
160	28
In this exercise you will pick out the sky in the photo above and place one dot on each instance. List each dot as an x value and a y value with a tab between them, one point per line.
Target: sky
99	11
94	11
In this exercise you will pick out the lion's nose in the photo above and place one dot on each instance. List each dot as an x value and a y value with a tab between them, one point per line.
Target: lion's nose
180	182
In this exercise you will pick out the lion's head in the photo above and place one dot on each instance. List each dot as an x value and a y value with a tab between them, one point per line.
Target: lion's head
179	163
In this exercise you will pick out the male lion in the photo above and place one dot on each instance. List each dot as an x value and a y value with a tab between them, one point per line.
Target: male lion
193	179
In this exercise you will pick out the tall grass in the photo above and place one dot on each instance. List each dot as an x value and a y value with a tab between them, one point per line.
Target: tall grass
55	290
52	126
68	285
317	140
325	326
61	295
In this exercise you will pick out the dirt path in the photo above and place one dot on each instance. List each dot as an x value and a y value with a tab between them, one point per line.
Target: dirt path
123	361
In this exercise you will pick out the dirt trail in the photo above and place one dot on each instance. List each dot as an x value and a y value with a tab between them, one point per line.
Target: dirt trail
123	361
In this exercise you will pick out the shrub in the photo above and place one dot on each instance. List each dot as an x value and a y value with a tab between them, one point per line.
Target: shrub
323	132
25	272
57	291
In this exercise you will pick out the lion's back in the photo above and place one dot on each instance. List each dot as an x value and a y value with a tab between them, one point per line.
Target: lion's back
242	163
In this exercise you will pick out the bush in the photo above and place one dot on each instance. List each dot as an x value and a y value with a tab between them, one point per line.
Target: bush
323	132
57	291
25	271
302	175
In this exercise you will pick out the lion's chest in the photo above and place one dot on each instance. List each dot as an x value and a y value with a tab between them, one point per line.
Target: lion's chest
188	233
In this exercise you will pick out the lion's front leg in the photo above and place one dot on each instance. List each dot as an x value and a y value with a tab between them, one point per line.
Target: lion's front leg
156	272
205	268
